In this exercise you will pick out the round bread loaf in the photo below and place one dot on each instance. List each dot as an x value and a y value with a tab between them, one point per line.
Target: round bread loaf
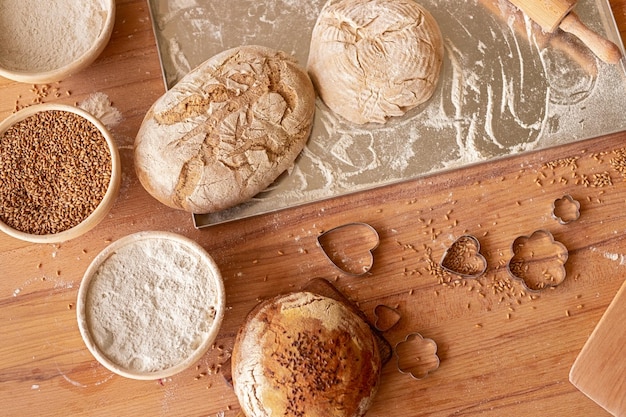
303	354
226	130
374	59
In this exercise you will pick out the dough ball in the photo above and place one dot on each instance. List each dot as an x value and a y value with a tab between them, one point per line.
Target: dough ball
303	354
374	59
226	130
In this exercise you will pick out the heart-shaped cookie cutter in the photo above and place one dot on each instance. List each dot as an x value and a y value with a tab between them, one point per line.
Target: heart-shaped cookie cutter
341	243
386	317
463	258
538	261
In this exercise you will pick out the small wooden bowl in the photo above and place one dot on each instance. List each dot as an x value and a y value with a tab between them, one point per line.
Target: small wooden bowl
150	305
109	197
48	75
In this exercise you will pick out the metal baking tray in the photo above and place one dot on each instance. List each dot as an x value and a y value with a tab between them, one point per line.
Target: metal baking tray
505	88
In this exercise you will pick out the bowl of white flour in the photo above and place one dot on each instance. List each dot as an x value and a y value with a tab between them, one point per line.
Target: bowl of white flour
42	43
150	305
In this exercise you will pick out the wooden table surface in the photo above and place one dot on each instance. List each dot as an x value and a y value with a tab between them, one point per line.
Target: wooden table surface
502	354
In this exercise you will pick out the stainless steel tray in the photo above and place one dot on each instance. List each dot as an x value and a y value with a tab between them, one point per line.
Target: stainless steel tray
506	88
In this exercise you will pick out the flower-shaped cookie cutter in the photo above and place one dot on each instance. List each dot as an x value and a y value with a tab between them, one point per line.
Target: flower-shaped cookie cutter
463	258
350	247
416	356
538	261
565	209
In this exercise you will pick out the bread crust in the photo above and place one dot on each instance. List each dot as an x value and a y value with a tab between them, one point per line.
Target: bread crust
303	354
371	60
225	131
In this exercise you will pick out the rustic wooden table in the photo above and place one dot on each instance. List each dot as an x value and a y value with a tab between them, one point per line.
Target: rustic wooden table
502	353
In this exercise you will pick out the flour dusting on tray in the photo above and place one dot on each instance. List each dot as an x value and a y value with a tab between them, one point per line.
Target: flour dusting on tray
506	88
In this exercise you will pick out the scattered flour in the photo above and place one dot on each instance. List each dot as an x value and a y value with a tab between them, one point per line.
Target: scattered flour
151	304
44	36
617	257
99	105
73	382
503	91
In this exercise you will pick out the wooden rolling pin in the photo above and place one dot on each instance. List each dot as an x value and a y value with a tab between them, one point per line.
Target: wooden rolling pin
553	14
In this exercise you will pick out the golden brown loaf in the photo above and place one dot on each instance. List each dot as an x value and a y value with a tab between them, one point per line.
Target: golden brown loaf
374	59
225	131
303	354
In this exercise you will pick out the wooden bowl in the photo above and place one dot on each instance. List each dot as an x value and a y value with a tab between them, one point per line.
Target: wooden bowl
150	305
109	197
36	69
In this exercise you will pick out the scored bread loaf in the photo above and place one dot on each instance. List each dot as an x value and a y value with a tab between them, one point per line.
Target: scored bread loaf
226	130
303	354
374	59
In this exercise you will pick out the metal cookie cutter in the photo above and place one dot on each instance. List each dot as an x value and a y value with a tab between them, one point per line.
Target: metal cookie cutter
463	258
416	356
386	317
565	209
350	247
538	261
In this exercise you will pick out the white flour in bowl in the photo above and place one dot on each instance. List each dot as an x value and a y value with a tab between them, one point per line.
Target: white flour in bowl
46	35
152	303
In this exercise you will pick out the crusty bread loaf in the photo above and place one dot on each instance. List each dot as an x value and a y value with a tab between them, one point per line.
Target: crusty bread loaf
374	59
225	131
303	354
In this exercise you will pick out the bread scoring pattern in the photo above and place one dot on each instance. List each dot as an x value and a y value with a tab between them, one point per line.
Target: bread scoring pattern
226	130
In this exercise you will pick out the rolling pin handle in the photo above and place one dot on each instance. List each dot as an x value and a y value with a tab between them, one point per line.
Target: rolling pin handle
604	49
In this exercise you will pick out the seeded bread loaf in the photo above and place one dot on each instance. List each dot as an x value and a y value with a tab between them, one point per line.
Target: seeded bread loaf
374	59
303	354
225	131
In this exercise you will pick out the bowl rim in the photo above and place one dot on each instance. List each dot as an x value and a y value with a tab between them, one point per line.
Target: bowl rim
110	195
81	311
84	60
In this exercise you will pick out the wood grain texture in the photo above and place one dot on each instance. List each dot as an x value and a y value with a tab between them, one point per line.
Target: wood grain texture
501	354
548	14
600	369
